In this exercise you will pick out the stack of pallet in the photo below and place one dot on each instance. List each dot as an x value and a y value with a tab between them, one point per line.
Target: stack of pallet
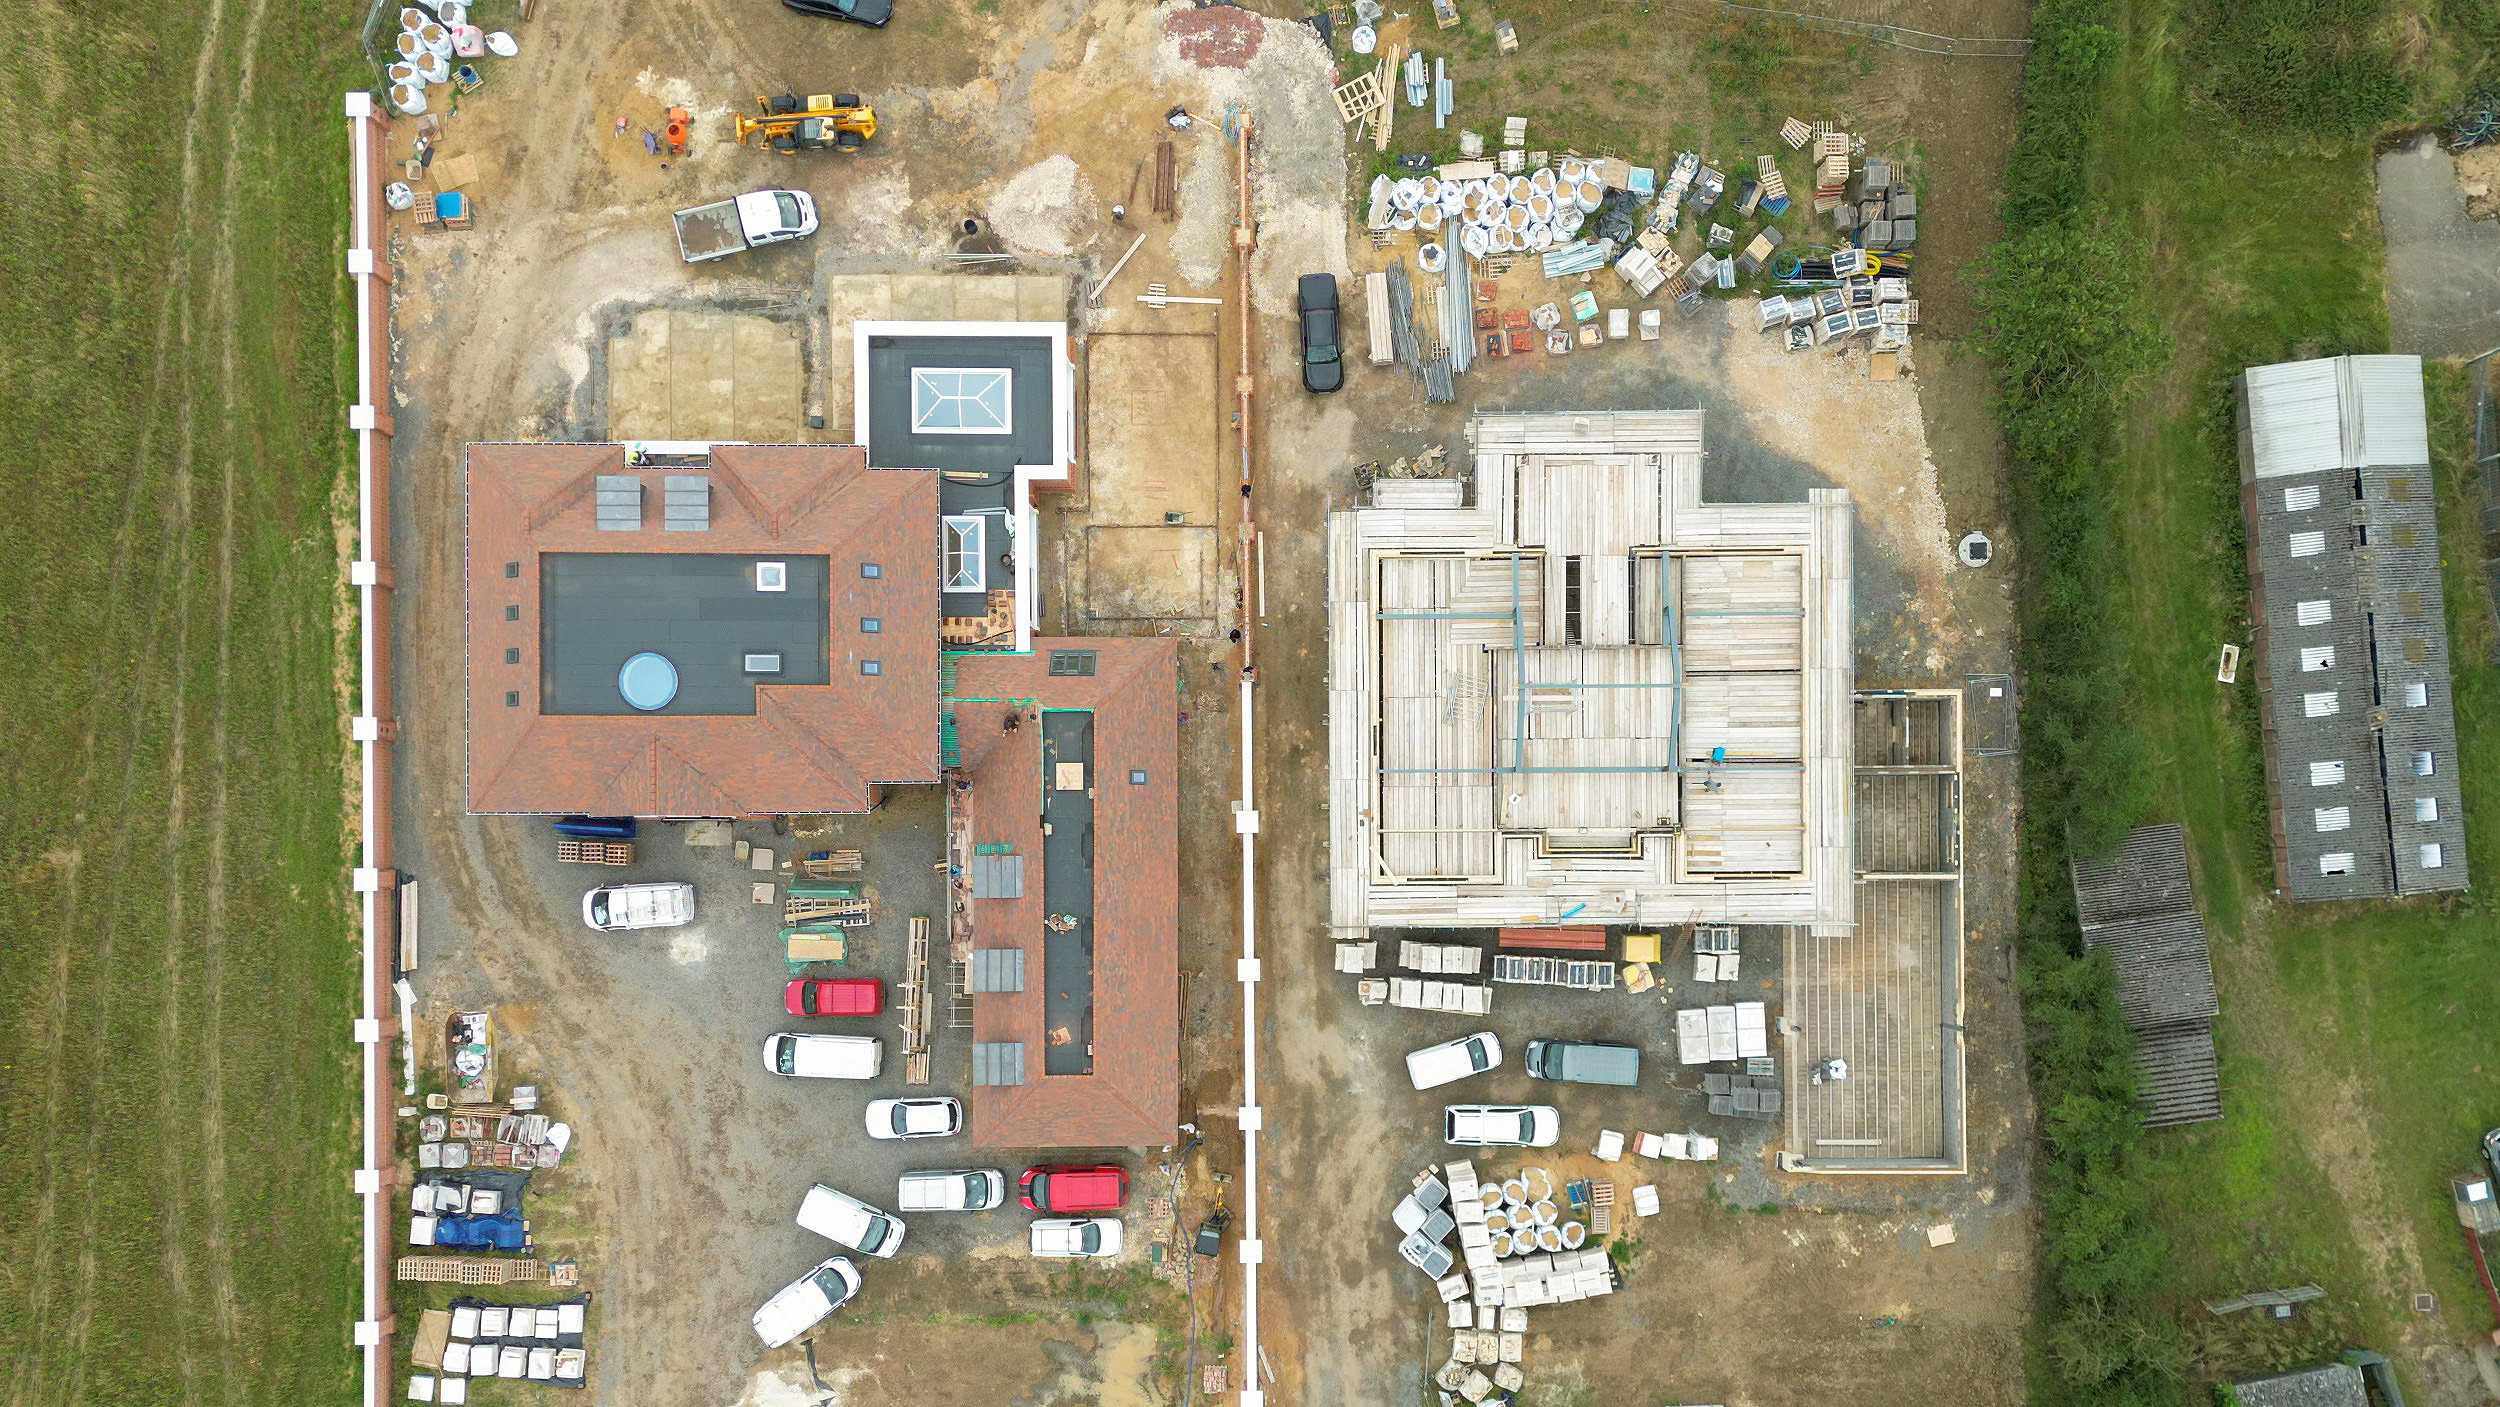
595	852
1831	170
1774	185
1795	133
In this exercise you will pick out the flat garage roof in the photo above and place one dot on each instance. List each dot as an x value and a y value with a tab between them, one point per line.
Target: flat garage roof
701	611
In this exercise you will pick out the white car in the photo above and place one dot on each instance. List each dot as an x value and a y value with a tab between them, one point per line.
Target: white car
951	1190
1077	1238
845	1220
1501	1125
614	907
805	1301
1454	1060
915	1118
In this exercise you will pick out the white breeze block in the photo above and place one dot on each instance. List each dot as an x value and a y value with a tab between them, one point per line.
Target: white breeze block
1463	1348
1462	1314
1645	1199
1452	1287
421	1387
454	1390
1609	1146
456	1359
1692	1036
1650	1145
1722	1032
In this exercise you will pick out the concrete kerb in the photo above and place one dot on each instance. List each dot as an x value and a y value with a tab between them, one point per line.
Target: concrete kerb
375	882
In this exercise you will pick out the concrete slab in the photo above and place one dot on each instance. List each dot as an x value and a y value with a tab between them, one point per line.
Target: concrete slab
2443	269
1151	433
1141	573
923	297
763	394
692	374
701	379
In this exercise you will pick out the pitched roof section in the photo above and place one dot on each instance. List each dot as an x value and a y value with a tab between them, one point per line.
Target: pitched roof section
2137	906
1132	1098
819	747
2351	639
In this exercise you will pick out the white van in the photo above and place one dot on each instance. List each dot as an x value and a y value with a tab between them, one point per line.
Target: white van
1454	1060
807	1055
951	1190
612	907
845	1220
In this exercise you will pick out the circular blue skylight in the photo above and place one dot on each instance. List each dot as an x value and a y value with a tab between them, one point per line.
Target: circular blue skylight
647	681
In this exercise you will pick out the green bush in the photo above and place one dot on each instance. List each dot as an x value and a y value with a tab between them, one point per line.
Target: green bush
2070	330
2304	68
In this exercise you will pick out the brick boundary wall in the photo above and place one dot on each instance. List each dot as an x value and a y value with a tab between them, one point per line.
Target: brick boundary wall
374	729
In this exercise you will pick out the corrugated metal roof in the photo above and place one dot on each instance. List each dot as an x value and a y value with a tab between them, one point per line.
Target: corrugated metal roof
2334	413
2383	411
2294	418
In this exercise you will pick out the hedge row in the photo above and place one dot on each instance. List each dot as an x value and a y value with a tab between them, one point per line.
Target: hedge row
2069	329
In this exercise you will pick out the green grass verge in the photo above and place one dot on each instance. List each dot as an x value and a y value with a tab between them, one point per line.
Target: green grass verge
2350	1036
176	953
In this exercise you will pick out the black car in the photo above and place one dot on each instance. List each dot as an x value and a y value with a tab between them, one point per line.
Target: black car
872	13
1315	302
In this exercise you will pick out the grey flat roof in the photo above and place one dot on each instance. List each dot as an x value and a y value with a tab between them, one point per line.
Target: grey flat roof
1068	891
702	611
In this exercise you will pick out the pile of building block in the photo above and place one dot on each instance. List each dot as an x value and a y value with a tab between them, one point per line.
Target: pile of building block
1707	1033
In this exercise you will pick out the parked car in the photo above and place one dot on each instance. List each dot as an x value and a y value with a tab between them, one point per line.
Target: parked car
1428	1256
1315	304
1063	1187
805	1301
807	1055
1584	1062
872	13
951	1190
915	1118
1501	1125
1077	1238
845	1220
2491	1151
614	907
1454	1060
838	996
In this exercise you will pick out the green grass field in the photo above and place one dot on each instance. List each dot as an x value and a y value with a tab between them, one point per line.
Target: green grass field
2355	1039
177	956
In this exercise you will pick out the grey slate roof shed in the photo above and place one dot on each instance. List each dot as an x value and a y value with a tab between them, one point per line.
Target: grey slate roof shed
2351	637
2327	1385
2137	906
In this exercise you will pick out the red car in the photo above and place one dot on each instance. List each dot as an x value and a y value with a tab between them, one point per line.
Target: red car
841	996
1100	1187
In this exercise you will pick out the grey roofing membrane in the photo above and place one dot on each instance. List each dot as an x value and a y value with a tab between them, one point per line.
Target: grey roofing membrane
2353	545
597	609
1068	891
979	469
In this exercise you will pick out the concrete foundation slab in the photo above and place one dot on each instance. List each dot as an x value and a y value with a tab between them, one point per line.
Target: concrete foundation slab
690	374
2443	270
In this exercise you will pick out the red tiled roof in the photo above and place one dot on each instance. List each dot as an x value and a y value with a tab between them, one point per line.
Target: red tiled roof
1132	1099
807	748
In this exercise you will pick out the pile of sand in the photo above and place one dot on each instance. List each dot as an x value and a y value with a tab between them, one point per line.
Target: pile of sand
1044	209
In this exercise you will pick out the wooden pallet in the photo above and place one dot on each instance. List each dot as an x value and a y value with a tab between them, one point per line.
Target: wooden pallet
825	864
468	1270
1601	1206
813	911
913	997
1356	99
595	852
